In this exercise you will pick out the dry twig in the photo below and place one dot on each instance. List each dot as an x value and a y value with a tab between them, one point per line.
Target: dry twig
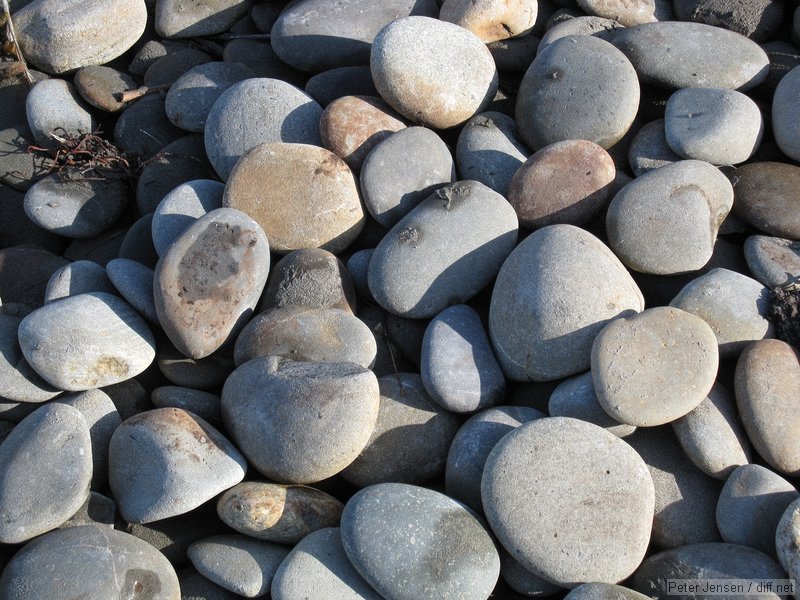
10	50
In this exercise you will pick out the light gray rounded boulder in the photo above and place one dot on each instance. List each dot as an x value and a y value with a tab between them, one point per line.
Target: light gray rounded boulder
575	397
444	251
181	207
785	104
542	327
772	260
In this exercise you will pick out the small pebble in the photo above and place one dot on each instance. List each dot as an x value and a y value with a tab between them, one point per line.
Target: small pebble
649	149
99	85
181	207
575	397
54	108
79	277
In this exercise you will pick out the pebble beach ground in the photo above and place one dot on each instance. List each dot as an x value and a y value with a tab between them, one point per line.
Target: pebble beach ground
402	299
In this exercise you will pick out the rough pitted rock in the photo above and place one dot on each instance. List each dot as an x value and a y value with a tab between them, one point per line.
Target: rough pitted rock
785	104
46	468
768	197
300	422
58	36
303	196
166	462
772	260
444	251
53	107
433	72
593	494
86	341
649	148
209	281
182	207
491	20
176	19
666	221
412	542
542	328
552	101
576	398
18	381
757	19
79	277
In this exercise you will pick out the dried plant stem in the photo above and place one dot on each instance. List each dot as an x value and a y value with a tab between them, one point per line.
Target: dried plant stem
130	95
12	37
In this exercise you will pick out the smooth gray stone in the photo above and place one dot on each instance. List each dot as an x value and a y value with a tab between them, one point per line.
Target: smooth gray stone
143	128
785	104
181	207
772	260
444	251
655	366
79	277
472	445
59	36
666	221
190	98
594	26
300	422
712	435
24	273
54	107
394	180
98	85
451	64
787	539
315	35
734	305
551	103
204	404
196	587
203	374
209	281
318	567
649	149
89	561
685	496
102	419
575	397
411	542
515	54
310	277
625	13
676	55
358	267
86	341
593	494
19	168
45	470
458	368
706	561
307	334
750	506
490	150
97	510
166	462
766	382
238	563
523	582
17	229
542	328
335	83
138	242
258	111
18	381
168	69
175	19
76	207
759	20
134	281
603	591
391	454
723	127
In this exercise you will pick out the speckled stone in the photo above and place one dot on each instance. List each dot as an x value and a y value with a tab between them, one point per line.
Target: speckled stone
767	382
625	12
768	197
86	341
575	397
542	328
593	494
278	513
79	277
433	72
18	381
201	305
649	149
176	19
411	542
46	469
181	207
166	462
787	539
785	104
300	422
490	20
98	85
759	20
772	260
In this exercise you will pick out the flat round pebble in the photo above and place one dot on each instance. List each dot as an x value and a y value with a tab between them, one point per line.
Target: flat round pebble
432	72
394	180
210	279
238	563
784	105
723	127
772	260
300	422
46	469
181	207
302	196
666	221
734	305
53	107
98	85
767	197
575	397
134	282
166	462
472	445
204	404
787	539
19	382
411	542
86	341
766	385
552	107
278	513
444	251
593	494
649	149
79	277
542	328
89	561
307	334
489	20
258	111
175	19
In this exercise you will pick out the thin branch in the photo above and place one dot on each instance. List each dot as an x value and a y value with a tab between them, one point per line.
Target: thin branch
12	37
131	95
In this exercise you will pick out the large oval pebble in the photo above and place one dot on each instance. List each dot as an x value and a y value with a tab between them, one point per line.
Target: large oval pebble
410	542
56	112
593	495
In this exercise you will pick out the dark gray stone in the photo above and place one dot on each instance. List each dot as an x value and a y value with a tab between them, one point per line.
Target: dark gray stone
79	277
54	107
784	105
204	404
20	168
759	20
143	128
97	510
202	374
334	83
175	19
603	591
